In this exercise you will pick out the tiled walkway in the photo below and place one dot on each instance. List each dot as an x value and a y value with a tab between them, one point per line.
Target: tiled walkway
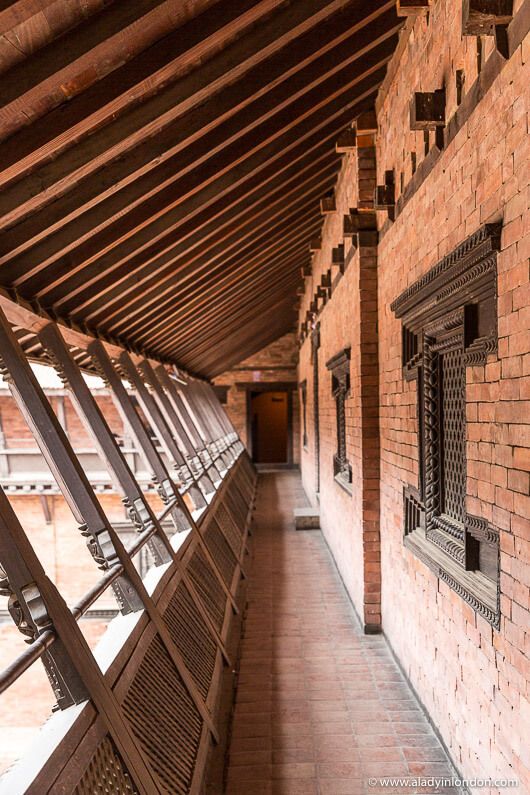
320	707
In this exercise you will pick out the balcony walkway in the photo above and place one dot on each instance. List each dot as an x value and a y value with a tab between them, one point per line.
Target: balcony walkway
320	707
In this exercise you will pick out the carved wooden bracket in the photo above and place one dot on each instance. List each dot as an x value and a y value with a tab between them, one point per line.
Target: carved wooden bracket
427	110
315	244
357	222
337	256
479	17
346	142
366	123
488	18
328	205
412	8
385	195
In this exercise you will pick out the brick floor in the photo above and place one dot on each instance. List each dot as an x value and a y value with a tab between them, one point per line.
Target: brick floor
320	707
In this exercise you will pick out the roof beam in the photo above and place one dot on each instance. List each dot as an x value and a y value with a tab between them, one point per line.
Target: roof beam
258	227
215	154
293	234
153	131
217	174
165	61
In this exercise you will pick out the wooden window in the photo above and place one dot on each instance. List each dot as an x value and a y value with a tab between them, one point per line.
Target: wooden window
450	323
339	366
303	396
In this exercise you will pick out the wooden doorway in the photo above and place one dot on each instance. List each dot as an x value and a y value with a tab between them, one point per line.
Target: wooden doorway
269	413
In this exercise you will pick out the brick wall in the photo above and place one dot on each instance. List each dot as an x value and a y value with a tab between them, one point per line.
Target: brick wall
348	319
473	679
274	363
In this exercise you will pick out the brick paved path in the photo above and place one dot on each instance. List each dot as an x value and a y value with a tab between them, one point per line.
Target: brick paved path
320	707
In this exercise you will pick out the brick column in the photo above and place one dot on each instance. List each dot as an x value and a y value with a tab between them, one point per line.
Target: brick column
369	376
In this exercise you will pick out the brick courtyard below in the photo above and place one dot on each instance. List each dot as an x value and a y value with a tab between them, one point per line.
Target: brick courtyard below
320	707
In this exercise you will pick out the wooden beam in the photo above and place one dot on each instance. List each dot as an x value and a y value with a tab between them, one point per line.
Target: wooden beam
427	110
248	223
285	280
192	169
165	61
480	17
412	8
194	281
196	299
158	129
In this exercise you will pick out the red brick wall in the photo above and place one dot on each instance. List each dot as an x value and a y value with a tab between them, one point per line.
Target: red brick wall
274	363
474	680
347	320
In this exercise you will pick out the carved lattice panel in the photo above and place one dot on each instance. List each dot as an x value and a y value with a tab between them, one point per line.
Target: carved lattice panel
208	587
449	318
106	773
453	434
164	719
192	638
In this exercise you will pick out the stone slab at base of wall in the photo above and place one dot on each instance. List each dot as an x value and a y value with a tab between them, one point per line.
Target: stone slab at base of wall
306	518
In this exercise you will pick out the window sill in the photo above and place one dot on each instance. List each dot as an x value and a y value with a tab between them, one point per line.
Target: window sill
344	484
474	587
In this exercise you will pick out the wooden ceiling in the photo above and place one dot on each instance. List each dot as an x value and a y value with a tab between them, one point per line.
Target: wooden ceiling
162	162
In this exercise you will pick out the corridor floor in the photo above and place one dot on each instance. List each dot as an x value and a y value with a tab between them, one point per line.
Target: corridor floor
320	707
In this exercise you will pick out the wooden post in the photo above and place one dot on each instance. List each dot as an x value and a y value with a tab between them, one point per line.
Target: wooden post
174	423
154	415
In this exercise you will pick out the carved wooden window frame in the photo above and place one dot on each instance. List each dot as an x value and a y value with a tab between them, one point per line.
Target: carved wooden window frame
449	322
339	366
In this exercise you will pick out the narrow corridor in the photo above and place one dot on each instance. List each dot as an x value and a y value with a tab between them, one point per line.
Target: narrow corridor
320	707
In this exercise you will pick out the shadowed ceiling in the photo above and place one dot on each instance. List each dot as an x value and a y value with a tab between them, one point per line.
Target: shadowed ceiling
162	163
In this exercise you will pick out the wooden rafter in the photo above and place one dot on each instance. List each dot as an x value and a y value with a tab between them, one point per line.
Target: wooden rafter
161	166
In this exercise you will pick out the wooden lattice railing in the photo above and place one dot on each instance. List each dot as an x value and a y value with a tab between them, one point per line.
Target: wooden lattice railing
138	715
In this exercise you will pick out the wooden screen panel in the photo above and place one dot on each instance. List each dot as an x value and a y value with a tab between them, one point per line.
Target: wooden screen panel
164	719
221	552
106	773
208	587
453	433
238	508
229	528
191	635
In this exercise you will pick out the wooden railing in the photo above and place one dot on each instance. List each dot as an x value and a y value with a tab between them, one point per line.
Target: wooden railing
138	714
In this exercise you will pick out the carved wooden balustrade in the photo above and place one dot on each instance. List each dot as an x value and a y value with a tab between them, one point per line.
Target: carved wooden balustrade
138	715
